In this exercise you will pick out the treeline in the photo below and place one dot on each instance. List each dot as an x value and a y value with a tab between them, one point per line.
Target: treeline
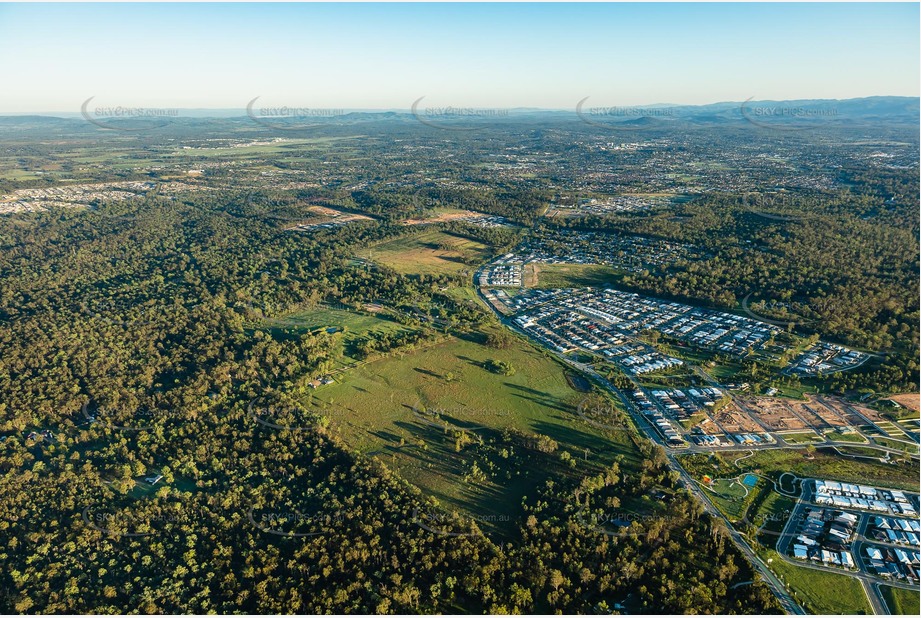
521	204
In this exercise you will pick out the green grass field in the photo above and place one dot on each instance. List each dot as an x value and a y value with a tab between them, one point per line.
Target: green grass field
806	437
847	437
376	409
731	497
896	444
575	275
892	429
860	451
431	253
901	601
797	393
725	372
817	591
257	150
830	466
350	327
770	516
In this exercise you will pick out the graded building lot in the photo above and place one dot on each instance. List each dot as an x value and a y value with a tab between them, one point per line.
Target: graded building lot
912	401
829	417
911	427
889	430
530	274
323	216
711	429
443	215
892	429
855	409
733	420
773	414
805	412
844	411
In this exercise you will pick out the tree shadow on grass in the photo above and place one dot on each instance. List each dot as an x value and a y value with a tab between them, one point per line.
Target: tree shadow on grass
457	259
471	361
576	438
386	436
544	402
472	336
526	389
483	502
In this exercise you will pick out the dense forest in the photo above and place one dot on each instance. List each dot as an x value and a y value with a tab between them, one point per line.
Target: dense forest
136	346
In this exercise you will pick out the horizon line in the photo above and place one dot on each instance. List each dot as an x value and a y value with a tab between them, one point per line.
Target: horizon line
409	109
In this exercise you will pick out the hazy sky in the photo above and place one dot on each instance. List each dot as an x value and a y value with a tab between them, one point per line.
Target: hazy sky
55	56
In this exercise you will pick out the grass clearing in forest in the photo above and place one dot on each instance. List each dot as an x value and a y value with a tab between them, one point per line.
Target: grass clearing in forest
446	423
347	327
431	253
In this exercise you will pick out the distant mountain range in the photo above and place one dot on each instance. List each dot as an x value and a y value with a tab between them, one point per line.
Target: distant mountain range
800	112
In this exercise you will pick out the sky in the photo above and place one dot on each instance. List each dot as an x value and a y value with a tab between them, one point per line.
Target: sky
53	57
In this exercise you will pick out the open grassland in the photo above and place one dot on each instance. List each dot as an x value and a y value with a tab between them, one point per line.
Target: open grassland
446	423
441	215
731	497
466	294
827	465
817	591
794	392
432	253
769	516
575	275
901	601
258	149
348	328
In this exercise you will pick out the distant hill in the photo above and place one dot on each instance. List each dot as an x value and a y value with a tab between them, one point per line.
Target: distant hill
787	113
